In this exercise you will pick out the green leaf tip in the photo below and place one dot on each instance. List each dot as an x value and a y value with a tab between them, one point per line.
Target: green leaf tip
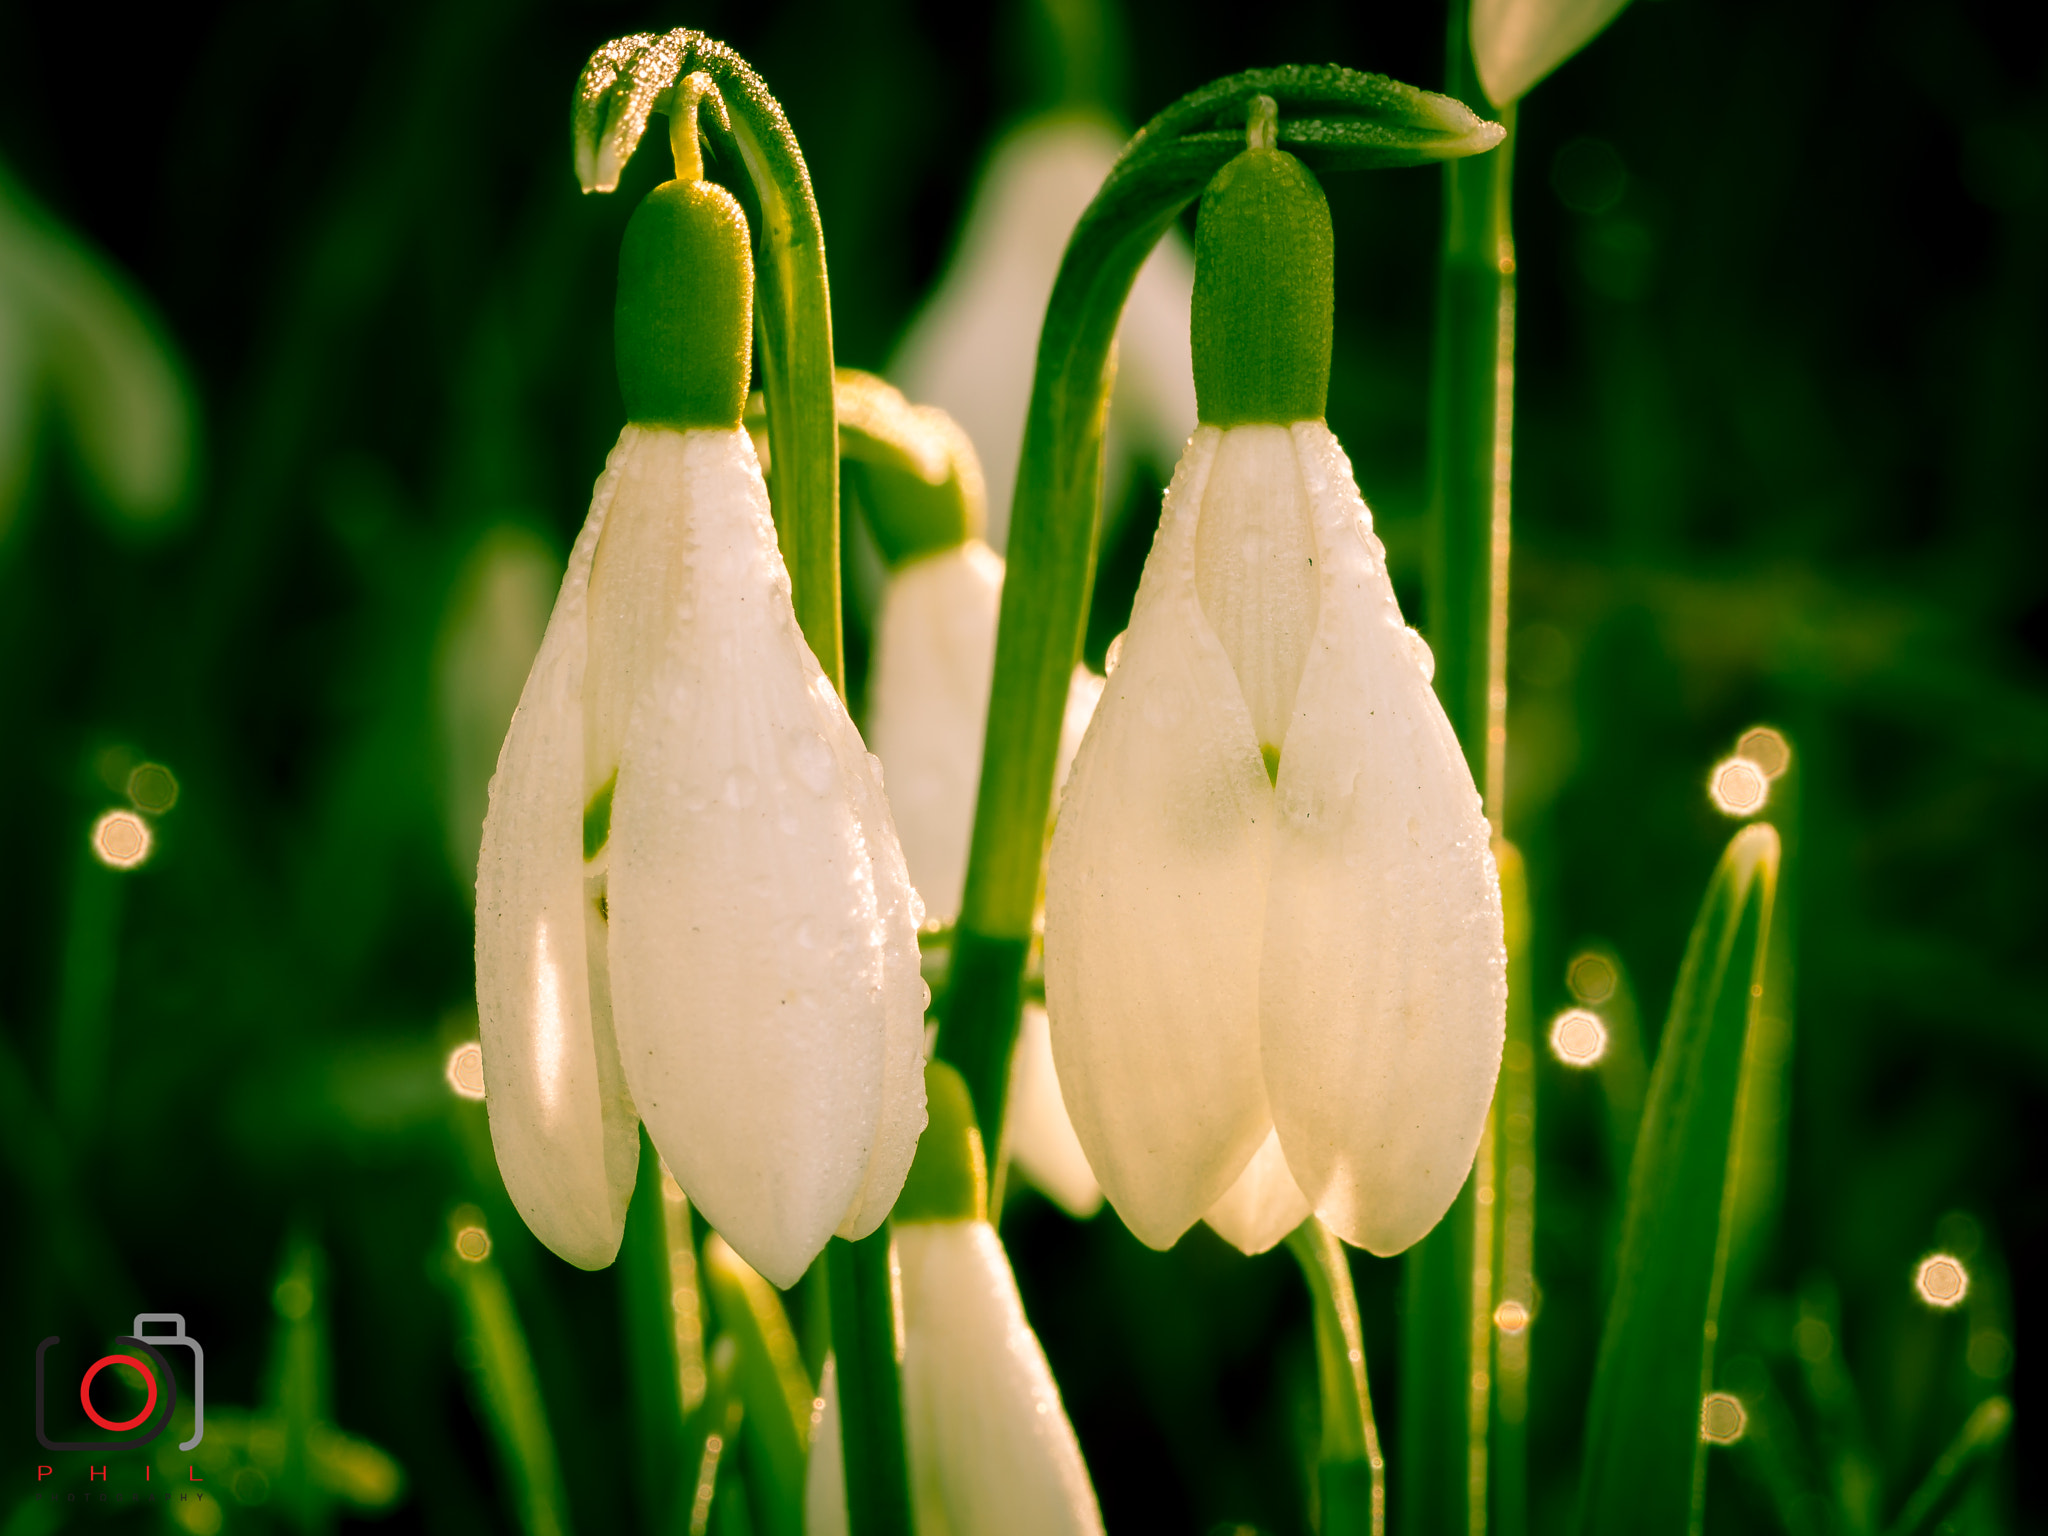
1645	1462
949	1177
629	79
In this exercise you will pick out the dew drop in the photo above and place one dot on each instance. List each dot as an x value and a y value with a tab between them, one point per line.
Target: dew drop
1420	653
1114	654
787	824
740	787
811	760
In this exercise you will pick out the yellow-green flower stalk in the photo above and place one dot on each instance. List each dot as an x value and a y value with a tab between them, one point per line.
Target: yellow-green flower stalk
1271	908
691	905
991	1450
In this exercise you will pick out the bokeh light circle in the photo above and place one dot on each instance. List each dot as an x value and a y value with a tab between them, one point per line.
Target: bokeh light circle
1578	1038
120	840
1738	787
1942	1281
466	1070
1722	1420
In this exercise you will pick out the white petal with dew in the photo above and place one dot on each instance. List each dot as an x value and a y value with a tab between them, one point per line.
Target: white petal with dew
1383	993
1153	899
1084	694
748	939
1516	43
904	997
1264	1205
563	1127
1042	1141
935	649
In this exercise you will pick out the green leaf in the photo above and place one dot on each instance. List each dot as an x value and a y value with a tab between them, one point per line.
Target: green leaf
1979	1438
1645	1466
771	1382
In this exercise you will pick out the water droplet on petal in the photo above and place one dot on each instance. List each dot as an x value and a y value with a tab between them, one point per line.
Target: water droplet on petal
739	787
1114	654
811	760
1422	655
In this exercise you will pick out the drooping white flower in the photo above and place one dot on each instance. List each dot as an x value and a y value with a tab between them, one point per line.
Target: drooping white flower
991	1450
972	349
1318	950
1312	947
691	906
1516	43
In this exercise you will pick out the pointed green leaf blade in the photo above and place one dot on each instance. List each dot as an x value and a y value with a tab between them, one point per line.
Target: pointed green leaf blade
1645	1462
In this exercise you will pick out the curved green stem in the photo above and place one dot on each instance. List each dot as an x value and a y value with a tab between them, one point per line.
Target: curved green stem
1352	1474
1333	119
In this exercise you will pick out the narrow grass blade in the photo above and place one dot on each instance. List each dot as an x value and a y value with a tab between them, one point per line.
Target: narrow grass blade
1645	1466
1514	1274
771	1382
506	1387
1980	1437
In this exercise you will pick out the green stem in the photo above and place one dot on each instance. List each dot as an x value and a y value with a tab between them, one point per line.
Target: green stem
653	1371
1511	1308
1333	119
1444	1439
864	1343
1351	1471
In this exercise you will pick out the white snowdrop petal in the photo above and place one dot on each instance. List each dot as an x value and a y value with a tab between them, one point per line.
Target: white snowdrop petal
564	1129
1516	43
935	647
1255	571
747	938
1264	1205
1043	1145
991	1450
1383	994
1154	895
904	996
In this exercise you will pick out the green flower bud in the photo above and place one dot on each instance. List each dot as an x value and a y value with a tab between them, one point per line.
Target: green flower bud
1265	264
685	316
949	1179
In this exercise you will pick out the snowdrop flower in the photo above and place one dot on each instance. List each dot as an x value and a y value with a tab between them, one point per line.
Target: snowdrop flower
691	906
991	1450
1272	916
1516	43
972	349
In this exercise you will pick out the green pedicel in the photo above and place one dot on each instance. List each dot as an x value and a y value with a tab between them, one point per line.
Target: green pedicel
1265	264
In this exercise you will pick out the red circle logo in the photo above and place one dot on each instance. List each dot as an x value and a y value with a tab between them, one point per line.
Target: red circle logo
85	1391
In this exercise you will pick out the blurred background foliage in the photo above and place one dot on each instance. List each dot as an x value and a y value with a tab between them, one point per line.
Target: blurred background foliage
305	372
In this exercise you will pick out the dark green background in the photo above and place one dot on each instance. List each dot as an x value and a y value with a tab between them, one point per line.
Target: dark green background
1778	457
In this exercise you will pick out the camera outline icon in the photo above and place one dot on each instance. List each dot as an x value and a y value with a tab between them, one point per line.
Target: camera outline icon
145	1341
